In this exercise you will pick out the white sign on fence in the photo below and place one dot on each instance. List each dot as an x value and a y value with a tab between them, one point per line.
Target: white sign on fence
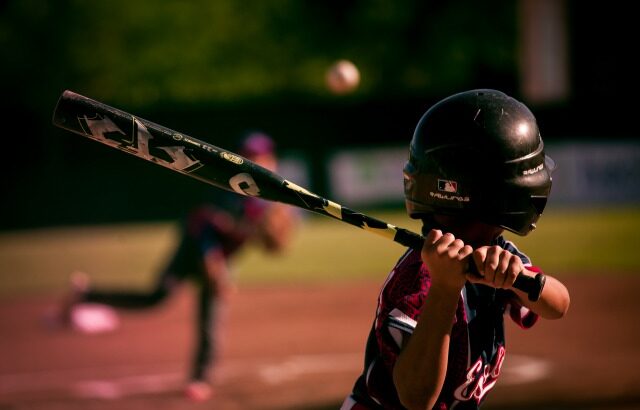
587	173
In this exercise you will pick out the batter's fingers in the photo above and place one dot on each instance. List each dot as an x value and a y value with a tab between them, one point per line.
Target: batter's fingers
491	261
454	248
504	261
494	277
499	278
465	251
444	242
433	236
478	257
514	269
508	269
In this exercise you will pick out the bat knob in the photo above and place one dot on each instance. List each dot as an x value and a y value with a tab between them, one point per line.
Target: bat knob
532	286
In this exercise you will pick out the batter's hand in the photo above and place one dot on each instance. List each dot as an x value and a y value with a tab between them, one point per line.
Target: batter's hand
446	256
498	267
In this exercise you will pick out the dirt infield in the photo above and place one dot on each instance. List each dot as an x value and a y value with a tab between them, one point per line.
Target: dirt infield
300	347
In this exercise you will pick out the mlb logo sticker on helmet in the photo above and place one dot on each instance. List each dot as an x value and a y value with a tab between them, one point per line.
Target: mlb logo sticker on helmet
446	185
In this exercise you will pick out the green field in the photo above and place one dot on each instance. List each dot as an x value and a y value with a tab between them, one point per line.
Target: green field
586	241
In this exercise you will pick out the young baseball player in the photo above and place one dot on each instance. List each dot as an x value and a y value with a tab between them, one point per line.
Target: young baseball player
476	167
212	234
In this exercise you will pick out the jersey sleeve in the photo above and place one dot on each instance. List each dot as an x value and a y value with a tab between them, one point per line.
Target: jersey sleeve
399	305
522	316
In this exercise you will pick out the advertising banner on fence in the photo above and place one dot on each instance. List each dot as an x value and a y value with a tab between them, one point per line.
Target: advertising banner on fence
587	173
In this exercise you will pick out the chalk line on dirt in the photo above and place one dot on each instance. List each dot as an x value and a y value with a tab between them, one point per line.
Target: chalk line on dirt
518	369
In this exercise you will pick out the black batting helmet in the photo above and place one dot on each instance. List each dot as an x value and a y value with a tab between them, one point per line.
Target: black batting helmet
479	154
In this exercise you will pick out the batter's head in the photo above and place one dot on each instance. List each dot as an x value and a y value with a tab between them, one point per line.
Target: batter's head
479	154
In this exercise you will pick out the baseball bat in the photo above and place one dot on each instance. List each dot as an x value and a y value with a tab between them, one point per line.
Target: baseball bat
220	168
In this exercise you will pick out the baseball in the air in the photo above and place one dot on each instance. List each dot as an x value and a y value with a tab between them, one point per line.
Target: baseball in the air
342	77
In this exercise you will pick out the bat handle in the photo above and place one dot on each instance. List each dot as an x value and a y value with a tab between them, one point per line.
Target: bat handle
532	286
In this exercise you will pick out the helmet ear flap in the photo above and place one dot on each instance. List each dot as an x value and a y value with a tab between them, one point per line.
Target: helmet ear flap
539	202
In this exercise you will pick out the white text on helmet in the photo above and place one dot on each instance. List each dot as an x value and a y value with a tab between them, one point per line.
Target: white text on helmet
533	170
450	197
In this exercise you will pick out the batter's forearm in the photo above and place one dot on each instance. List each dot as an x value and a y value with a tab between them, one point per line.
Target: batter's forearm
421	368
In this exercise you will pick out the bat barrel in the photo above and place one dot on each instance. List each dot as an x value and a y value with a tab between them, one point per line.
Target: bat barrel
165	147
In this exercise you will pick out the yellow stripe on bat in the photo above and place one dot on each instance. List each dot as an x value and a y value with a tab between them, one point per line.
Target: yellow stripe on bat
331	208
335	210
389	232
298	188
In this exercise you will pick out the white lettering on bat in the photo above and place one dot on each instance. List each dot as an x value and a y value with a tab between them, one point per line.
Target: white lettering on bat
244	184
140	143
143	140
99	127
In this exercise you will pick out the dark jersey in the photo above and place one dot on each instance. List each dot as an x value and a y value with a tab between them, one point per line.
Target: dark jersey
225	224
230	223
477	346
